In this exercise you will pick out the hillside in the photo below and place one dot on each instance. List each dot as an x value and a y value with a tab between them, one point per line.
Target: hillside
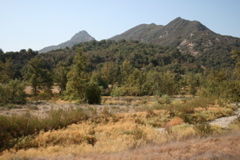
188	36
142	32
79	37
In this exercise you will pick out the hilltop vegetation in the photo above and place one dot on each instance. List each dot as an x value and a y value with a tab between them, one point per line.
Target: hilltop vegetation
192	37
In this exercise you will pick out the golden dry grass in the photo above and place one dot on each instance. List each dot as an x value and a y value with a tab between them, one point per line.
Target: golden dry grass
134	134
216	148
87	138
116	143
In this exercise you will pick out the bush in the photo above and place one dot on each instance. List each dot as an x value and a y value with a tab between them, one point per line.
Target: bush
13	92
14	128
165	99
93	94
118	91
203	129
46	95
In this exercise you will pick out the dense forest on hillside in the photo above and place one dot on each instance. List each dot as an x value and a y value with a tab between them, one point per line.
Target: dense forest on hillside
120	68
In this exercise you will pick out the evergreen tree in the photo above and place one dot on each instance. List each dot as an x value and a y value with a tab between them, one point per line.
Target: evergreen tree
193	83
110	72
93	93
60	75
126	69
12	92
38	76
6	70
77	79
135	83
215	83
97	78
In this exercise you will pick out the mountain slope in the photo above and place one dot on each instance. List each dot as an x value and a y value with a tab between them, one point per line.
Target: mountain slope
188	36
142	32
79	37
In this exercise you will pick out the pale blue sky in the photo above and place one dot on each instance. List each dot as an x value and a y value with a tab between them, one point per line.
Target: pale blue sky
39	23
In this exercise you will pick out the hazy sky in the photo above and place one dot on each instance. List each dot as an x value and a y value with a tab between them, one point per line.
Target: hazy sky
39	23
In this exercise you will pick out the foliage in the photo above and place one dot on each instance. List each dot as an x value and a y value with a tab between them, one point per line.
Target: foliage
164	99
109	72
38	75
118	91
137	68
93	94
97	78
60	75
77	79
18	60
13	92
6	70
203	129
12	129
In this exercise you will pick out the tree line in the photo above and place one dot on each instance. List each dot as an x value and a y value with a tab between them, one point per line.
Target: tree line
89	70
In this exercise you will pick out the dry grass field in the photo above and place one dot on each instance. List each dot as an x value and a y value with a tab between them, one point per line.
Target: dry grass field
225	147
129	128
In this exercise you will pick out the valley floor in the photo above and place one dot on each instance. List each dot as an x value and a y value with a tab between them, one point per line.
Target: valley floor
223	147
127	128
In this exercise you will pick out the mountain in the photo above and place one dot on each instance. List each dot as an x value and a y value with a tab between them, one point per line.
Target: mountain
142	32
188	36
79	37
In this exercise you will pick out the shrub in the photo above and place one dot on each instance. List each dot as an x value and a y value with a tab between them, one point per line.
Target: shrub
203	129
165	99
93	94
13	92
118	91
14	128
137	133
46	95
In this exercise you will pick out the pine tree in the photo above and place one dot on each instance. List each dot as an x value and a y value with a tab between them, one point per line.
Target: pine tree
60	75
77	79
6	70
38	76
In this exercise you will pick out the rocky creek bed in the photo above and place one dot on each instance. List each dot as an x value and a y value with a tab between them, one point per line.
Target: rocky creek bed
225	121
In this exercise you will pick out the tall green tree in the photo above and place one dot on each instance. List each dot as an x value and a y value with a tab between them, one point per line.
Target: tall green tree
93	93
168	84
126	69
110	72
6	70
77	79
215	83
39	77
236	57
135	83
12	92
60	75
233	91
160	83
97	78
193	81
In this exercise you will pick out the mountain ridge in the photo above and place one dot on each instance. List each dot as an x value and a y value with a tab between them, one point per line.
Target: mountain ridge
188	36
81	36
